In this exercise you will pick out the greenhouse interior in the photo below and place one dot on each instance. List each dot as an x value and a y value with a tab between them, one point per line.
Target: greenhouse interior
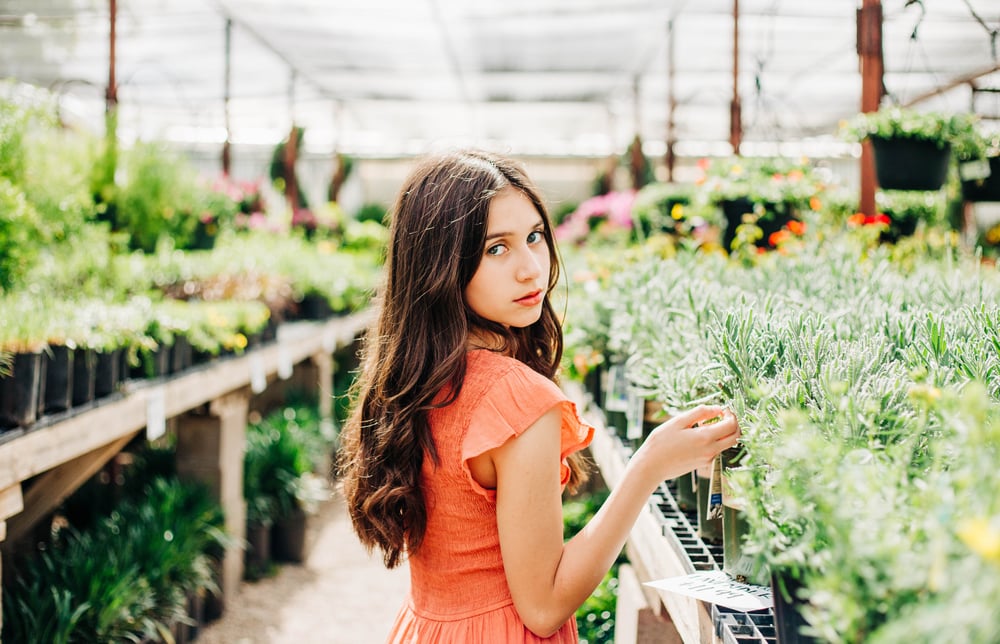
197	201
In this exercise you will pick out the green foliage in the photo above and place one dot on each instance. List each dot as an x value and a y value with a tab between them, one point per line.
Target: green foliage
595	619
163	200
839	361
283	452
21	235
774	180
372	212
124	578
958	130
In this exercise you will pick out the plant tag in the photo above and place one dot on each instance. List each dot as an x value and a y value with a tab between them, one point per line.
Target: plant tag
715	490
616	397
284	363
974	170
329	340
258	377
636	407
156	414
717	587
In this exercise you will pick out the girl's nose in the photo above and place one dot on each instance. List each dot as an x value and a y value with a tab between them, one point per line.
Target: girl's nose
530	266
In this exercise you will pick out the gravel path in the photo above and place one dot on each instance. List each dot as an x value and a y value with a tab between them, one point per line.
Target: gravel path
339	595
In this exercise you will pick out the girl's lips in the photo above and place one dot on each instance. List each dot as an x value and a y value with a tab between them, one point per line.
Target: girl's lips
531	300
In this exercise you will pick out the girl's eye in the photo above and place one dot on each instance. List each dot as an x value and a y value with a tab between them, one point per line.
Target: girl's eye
496	249
535	236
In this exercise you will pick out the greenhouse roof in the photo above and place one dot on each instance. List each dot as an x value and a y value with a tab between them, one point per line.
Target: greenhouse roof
547	77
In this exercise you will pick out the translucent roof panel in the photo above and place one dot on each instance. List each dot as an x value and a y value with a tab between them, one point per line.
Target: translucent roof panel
548	77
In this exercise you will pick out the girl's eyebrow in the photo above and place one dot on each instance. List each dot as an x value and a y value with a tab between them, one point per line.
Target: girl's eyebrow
508	234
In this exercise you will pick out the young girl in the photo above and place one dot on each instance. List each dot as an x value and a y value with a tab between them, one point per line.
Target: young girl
460	444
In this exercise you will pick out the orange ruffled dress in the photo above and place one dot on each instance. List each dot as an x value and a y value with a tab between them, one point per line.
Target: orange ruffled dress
458	589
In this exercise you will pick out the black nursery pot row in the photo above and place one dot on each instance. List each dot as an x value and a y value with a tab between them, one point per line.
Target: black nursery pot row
59	378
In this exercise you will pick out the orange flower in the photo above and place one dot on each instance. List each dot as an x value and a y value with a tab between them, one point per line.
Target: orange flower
815	204
797	227
857	219
778	237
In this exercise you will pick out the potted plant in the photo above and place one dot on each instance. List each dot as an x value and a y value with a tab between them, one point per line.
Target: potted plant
23	329
666	208
979	167
912	149
765	193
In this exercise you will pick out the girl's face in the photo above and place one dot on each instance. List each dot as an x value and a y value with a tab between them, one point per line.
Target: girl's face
512	279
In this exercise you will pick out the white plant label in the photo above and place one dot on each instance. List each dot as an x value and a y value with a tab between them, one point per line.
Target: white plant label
284	363
156	414
329	340
258	377
717	587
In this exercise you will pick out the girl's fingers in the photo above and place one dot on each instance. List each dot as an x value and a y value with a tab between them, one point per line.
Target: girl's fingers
699	414
726	430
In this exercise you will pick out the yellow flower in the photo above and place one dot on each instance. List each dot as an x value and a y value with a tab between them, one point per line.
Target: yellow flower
677	212
982	537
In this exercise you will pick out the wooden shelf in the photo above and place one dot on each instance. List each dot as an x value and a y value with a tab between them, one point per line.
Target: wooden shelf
59	439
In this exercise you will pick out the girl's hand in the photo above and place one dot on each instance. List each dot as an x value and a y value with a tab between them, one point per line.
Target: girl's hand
686	442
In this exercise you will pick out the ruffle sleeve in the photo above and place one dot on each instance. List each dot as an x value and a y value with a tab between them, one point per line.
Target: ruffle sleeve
510	405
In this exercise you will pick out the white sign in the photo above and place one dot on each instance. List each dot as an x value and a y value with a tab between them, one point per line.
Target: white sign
258	377
284	363
156	414
717	587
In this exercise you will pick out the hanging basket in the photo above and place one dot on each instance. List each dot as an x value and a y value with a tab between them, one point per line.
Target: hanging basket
986	188
910	164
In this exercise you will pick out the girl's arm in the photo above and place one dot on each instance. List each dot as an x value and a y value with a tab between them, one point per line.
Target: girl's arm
549	579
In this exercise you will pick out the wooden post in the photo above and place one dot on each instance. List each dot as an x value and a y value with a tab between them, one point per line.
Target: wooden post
10	504
869	18
51	488
210	450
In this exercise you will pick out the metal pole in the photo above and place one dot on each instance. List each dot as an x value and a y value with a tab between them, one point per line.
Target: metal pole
670	159
735	108
869	20
227	83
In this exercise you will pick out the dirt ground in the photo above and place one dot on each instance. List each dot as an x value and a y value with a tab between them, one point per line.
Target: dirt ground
339	595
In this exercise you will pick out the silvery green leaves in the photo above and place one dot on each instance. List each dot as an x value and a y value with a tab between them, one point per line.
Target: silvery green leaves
859	382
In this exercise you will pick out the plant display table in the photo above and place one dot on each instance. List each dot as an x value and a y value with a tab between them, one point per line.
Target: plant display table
61	452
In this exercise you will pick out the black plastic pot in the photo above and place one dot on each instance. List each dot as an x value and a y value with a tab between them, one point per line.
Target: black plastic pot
709	529
288	537
774	217
21	391
788	619
84	372
733	210
181	354
58	380
987	189
107	373
910	164
592	383
257	555
152	364
315	307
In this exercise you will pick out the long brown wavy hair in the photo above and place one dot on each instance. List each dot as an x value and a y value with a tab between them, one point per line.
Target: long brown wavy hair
417	344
